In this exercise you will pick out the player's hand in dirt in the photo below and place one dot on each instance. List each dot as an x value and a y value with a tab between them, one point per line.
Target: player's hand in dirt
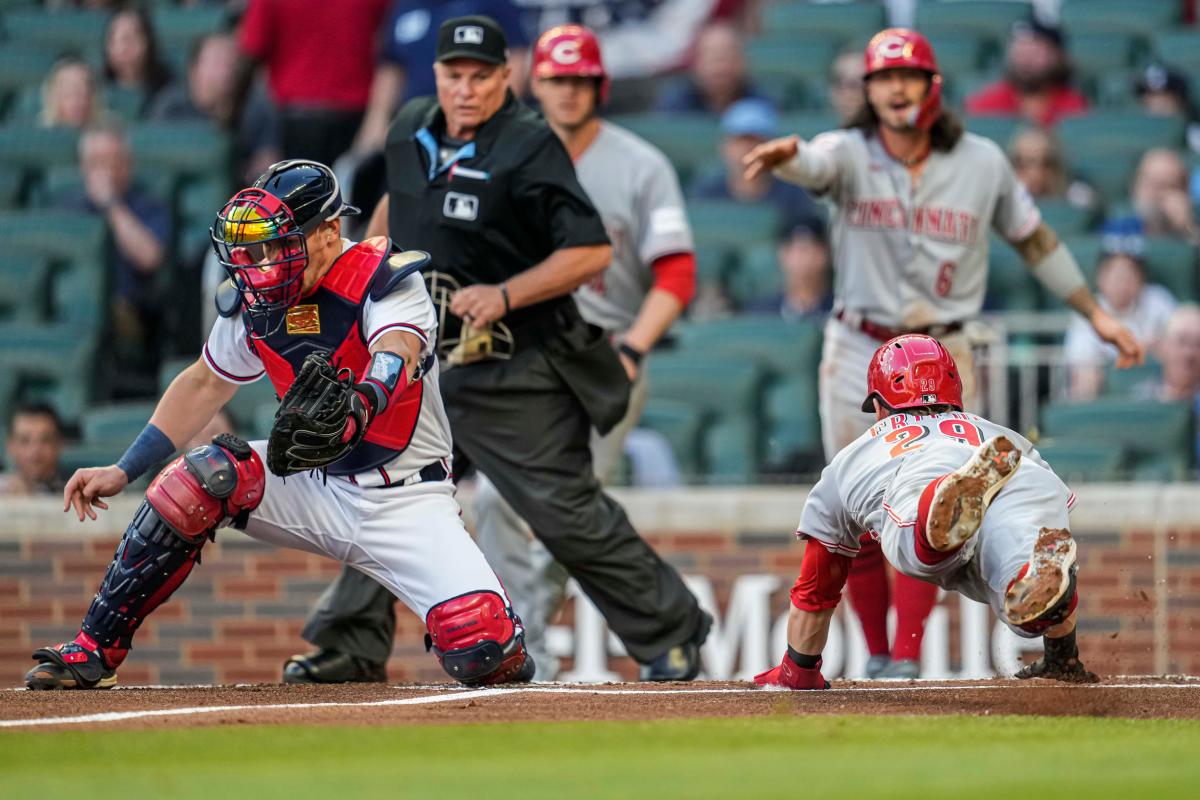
768	155
1070	671
88	485
790	675
1129	350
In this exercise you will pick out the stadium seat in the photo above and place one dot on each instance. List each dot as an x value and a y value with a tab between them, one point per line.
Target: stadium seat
1172	262
1142	17
845	24
717	385
23	285
22	65
128	104
757	274
999	129
29	147
1180	48
688	140
774	344
981	18
959	52
46	233
1100	130
1098	53
59	358
806	59
118	422
1010	285
1124	382
731	452
728	225
808	124
680	423
178	29
79	293
1109	169
189	148
1158	437
86	454
791	419
1066	219
11	182
57	31
1075	460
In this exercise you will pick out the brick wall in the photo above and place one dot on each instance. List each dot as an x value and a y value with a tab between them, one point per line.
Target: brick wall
239	614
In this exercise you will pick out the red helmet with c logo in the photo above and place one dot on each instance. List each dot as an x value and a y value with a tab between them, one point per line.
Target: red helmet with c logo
570	51
913	370
901	48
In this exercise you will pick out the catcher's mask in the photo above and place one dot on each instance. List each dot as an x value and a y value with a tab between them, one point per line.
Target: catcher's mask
460	342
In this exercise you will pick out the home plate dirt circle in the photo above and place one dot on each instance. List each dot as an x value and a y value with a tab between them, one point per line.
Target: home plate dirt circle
378	704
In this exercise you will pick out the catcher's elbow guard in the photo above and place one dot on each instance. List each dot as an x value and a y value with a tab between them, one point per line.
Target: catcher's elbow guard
477	639
204	487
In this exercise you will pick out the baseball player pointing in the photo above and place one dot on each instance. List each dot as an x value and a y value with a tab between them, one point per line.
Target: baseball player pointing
913	197
955	499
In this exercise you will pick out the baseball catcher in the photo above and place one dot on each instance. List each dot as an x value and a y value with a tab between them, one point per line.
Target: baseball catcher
954	499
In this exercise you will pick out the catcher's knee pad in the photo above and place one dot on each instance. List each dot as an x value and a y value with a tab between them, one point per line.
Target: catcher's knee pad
184	505
477	639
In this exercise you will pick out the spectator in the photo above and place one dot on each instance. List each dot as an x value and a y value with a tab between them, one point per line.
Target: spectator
803	254
1160	199
131	59
745	125
1038	161
408	39
321	99
208	93
1179	353
846	93
35	441
1123	292
140	228
69	95
1037	81
718	78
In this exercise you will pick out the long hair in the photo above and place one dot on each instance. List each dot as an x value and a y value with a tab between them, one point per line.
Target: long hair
947	129
155	74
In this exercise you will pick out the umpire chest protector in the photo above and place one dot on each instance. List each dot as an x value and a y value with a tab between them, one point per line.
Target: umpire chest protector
331	319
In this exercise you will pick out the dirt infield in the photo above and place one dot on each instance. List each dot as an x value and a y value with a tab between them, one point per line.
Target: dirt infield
1142	698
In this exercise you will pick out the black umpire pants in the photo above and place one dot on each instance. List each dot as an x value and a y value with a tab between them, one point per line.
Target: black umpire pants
526	424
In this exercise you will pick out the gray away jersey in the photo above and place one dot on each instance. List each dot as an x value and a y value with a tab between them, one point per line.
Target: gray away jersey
906	257
635	189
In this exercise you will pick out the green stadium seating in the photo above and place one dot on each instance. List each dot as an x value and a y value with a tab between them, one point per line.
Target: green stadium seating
1180	48
789	93
731	452
1109	169
718	386
87	454
127	104
775	344
680	423
728	225
250	400
959	52
998	129
58	235
1066	219
805	59
1075	460
1124	382
189	148
791	418
79	293
982	18
1098	53
846	24
23	283
1158	437
118	422
757	274
1086	248
1142	17
1172	262
178	29
1121	130
808	124
59	358
31	147
22	65
11	182
1010	285
57	31
688	140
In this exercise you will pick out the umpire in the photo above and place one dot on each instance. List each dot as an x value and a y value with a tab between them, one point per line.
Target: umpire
482	183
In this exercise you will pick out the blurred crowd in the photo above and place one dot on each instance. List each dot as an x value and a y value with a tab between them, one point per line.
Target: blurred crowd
321	79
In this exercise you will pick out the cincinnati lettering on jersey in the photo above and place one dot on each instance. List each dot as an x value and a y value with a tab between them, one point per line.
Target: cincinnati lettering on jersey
943	224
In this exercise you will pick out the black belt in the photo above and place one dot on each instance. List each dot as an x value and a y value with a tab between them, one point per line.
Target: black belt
430	472
883	333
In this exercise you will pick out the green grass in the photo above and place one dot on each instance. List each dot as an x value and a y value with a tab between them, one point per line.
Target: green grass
777	757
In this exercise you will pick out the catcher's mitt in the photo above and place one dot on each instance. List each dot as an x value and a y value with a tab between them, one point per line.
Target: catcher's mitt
320	419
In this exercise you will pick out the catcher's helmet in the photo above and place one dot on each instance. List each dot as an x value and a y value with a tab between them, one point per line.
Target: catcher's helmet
259	236
901	48
913	370
570	50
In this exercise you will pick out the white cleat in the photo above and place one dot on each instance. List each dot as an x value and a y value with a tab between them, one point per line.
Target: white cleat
1046	582
961	498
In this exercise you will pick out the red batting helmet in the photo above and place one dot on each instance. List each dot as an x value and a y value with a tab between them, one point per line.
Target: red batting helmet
897	48
913	370
570	50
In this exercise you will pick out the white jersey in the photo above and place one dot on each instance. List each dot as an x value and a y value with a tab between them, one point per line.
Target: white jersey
910	256
883	472
634	187
409	307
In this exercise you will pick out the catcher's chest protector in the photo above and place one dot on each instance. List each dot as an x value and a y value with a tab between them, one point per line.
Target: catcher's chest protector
331	319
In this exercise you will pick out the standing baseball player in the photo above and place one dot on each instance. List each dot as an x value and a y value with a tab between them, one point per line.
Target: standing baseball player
485	186
913	198
345	333
954	499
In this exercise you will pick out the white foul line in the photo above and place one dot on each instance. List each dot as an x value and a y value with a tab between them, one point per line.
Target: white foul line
451	695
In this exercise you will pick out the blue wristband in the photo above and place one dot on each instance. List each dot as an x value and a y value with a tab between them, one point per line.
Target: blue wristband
150	447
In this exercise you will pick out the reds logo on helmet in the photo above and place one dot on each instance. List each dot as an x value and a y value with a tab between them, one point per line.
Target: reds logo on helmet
901	48
570	51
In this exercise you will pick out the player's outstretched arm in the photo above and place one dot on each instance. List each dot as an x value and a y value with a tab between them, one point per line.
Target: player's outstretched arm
1054	266
186	407
769	155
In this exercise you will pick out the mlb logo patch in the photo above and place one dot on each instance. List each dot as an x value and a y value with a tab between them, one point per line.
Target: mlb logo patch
468	34
929	398
461	206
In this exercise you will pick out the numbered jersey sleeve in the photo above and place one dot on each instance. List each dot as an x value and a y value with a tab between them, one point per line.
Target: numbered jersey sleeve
825	517
406	308
227	352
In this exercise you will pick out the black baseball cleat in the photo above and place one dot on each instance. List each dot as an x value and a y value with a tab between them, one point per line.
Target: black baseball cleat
681	662
69	666
332	666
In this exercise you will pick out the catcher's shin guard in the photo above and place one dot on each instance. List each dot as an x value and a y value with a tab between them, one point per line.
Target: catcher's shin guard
193	496
478	640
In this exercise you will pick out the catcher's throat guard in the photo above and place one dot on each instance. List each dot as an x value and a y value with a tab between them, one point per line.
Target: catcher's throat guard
460	342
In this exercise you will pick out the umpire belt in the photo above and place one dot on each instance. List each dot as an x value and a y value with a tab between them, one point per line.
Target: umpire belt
381	478
883	333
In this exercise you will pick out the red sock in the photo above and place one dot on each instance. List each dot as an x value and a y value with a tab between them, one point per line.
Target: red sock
914	602
925	551
868	588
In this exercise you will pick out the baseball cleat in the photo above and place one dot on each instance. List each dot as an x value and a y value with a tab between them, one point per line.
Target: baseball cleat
877	664
332	666
681	662
962	497
69	666
1045	581
904	669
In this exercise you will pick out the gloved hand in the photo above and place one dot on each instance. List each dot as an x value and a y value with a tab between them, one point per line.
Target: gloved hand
790	675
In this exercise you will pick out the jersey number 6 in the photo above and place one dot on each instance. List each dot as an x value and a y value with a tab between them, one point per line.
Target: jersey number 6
945	278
